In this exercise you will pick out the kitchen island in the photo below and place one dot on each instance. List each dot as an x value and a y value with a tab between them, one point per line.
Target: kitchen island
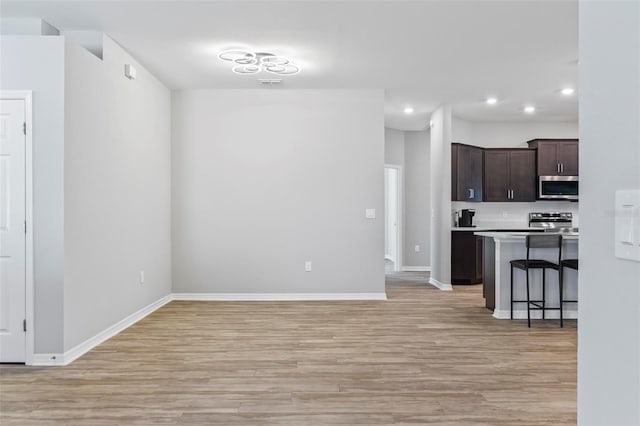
499	248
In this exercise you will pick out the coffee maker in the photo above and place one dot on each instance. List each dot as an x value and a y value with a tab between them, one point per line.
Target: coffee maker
466	218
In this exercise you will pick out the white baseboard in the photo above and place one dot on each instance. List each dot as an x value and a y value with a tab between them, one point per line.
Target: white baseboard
84	347
416	269
440	285
48	360
522	314
278	296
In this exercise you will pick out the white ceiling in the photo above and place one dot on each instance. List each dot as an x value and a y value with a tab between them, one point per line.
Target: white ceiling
422	53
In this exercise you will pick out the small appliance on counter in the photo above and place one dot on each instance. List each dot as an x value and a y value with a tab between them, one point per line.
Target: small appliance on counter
466	218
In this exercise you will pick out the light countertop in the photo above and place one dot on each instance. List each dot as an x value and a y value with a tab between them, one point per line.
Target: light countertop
494	227
506	235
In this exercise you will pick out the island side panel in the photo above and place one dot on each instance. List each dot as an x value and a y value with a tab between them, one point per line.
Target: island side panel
489	272
510	249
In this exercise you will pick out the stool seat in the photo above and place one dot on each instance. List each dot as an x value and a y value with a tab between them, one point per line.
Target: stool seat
538	242
534	263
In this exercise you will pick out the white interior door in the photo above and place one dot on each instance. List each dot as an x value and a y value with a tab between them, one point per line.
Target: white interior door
12	231
391	215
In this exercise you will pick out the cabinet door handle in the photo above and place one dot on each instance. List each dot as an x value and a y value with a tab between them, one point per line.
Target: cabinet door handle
561	167
558	167
472	193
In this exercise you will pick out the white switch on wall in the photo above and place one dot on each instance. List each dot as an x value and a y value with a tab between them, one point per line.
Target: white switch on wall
370	213
627	225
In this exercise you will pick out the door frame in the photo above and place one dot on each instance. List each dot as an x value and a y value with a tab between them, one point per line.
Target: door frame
27	97
397	267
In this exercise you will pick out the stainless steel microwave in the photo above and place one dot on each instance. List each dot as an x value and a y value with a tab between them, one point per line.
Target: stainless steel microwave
558	188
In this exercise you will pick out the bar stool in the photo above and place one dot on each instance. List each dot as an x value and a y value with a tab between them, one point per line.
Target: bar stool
571	264
535	242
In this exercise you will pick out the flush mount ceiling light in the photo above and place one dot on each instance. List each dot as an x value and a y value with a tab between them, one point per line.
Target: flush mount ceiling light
408	110
529	109
246	62
492	101
567	91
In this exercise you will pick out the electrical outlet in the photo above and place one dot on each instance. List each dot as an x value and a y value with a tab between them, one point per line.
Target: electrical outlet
141	277
417	248
307	266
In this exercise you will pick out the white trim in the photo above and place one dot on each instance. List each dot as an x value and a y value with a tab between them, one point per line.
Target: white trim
272	297
416	269
440	285
535	314
27	97
48	360
84	347
397	265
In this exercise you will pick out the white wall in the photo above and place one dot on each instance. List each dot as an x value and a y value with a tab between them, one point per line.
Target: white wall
441	197
609	295
417	199
510	135
117	190
461	130
26	26
393	146
37	64
264	180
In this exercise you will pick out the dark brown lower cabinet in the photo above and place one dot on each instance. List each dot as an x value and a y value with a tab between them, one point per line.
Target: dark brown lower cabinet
466	258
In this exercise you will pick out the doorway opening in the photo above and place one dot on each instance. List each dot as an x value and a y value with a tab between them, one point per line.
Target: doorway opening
393	218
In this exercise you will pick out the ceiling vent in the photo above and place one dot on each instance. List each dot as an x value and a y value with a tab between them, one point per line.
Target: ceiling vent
269	81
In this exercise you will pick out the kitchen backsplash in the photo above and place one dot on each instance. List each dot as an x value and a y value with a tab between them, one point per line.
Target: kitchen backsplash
517	214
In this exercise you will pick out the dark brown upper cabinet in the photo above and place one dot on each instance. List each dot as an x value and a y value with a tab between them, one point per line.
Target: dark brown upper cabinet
556	157
466	172
509	174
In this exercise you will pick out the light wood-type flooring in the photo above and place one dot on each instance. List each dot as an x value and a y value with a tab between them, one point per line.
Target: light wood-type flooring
425	356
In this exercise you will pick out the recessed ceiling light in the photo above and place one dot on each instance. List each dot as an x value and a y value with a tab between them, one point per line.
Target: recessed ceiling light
567	91
492	101
529	109
408	110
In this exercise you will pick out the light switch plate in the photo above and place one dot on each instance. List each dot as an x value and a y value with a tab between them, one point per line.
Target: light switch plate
627	224
370	213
